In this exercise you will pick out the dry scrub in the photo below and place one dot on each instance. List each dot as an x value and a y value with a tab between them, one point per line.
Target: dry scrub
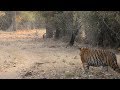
24	54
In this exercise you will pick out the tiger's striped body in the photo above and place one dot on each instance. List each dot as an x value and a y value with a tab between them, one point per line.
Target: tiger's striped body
98	57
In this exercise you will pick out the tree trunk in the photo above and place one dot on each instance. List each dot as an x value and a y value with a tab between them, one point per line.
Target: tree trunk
68	24
49	28
14	20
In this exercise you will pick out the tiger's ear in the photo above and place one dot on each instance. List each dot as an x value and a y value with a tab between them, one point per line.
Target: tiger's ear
80	48
83	48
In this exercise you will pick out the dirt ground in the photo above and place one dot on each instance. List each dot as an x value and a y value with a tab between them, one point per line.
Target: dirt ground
25	55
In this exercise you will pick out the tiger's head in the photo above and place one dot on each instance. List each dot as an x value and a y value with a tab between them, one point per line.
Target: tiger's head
83	50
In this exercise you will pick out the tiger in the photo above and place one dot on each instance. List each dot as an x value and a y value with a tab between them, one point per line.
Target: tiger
98	57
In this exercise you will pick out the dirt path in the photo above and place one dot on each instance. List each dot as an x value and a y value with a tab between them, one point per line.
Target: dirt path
24	55
14	61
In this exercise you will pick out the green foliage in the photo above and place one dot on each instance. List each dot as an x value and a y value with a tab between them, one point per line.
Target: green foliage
39	16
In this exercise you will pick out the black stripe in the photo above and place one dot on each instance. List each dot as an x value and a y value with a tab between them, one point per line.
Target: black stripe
96	56
99	57
108	57
99	53
89	57
110	60
84	56
92	58
104	55
114	60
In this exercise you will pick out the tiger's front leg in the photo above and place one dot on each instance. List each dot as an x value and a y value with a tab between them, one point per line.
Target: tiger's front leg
86	68
105	68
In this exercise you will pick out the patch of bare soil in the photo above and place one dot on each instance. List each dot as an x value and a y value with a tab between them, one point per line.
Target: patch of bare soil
25	55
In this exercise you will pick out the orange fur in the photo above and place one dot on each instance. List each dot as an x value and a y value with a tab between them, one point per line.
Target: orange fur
98	57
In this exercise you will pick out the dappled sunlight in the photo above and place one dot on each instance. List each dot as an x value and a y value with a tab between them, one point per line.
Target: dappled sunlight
22	34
